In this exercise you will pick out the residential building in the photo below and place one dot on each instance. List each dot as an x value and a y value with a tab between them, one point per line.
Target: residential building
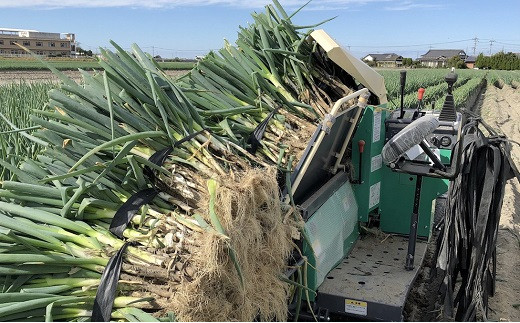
40	43
384	60
439	57
470	61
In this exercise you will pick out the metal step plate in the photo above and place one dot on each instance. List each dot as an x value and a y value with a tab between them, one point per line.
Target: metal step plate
371	283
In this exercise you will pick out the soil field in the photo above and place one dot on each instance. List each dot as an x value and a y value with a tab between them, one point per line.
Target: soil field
7	77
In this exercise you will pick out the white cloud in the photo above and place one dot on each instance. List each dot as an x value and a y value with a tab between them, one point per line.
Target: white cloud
409	5
51	4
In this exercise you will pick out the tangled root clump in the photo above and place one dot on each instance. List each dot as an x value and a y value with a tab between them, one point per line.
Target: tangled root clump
249	208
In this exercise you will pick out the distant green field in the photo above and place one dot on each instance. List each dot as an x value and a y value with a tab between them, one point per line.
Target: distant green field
26	64
177	65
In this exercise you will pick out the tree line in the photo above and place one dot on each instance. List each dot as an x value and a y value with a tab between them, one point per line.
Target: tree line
83	52
499	61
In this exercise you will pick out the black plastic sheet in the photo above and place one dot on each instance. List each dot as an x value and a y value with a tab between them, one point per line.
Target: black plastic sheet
254	138
106	292
158	158
127	211
466	245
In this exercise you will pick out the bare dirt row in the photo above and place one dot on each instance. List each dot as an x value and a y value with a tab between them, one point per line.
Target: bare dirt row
501	109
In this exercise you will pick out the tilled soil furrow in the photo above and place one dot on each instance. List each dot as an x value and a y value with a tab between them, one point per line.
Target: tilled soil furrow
501	109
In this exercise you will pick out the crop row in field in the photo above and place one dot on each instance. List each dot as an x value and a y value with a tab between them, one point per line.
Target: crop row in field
17	101
436	88
500	78
11	64
73	64
415	79
176	65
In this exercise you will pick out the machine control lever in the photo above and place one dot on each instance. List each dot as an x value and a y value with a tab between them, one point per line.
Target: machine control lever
414	222
448	112
403	83
420	95
361	147
436	161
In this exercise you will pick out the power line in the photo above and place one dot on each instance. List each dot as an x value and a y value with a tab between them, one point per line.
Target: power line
508	44
414	45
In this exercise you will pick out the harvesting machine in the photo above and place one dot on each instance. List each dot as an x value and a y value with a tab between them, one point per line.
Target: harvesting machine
368	169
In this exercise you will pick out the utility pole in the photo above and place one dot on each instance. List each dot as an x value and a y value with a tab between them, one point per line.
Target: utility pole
491	46
153	51
475	41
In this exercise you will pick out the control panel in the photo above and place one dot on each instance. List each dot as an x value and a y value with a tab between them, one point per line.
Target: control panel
445	137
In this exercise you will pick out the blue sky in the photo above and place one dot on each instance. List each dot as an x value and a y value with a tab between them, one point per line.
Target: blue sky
186	28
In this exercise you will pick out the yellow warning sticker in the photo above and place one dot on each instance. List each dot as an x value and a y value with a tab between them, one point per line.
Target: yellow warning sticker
356	307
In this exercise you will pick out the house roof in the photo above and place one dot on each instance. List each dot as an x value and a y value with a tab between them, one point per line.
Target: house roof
470	59
16	30
391	57
435	54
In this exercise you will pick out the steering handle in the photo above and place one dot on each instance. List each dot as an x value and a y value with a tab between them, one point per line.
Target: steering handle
413	134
